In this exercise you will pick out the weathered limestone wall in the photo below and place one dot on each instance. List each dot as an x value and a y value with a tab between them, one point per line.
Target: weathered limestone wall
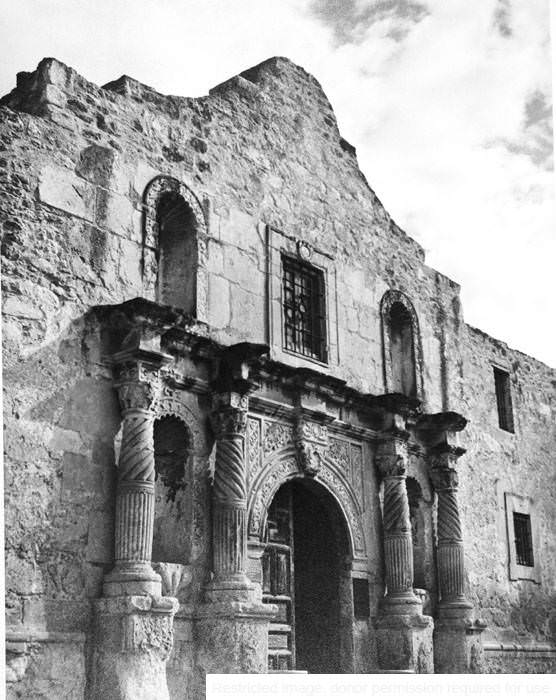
247	151
521	612
262	148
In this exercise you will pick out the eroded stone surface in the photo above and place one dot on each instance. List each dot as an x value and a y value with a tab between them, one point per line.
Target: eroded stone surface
262	149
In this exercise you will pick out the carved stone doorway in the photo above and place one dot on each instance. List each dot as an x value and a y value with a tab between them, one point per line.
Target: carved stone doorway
306	573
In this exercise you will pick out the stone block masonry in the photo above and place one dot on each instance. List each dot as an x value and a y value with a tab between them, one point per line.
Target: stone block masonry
262	173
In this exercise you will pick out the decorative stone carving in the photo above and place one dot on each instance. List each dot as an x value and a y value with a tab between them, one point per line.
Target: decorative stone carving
134	640
278	475
230	493
311	443
357	470
450	556
339	453
335	485
276	436
253	446
392	461
133	574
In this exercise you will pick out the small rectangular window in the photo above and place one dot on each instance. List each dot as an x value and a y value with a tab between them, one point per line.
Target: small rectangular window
361	603
523	539
504	399
304	309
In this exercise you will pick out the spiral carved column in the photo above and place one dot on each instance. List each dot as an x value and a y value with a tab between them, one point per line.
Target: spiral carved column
391	460
230	497
133	574
450	555
404	635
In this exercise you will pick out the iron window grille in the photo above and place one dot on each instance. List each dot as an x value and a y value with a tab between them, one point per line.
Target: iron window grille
504	400
523	539
304	307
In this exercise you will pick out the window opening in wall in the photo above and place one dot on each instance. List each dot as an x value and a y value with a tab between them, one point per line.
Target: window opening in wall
361	601
523	539
304	309
177	253
504	399
402	351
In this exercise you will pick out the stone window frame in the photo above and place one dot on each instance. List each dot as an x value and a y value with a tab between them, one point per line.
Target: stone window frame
389	298
156	188
279	244
522	504
506	369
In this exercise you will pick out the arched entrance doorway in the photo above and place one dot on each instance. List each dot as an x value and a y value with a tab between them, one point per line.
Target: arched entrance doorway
307	574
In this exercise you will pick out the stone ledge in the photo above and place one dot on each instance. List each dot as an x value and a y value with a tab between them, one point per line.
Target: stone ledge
16	636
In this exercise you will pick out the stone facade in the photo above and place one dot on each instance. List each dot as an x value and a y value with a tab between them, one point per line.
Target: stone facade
154	413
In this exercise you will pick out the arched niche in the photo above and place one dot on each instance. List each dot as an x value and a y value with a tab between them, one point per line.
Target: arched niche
417	517
175	229
173	490
401	345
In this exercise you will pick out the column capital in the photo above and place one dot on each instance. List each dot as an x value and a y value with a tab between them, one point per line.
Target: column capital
137	395
392	456
444	457
229	413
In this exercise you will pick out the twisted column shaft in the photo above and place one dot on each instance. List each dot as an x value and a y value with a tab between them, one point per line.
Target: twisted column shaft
392	460
450	553
230	492
133	573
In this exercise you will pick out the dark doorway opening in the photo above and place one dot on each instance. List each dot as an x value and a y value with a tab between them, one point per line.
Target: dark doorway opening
305	574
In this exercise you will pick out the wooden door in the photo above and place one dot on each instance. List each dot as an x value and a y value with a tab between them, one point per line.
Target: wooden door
278	581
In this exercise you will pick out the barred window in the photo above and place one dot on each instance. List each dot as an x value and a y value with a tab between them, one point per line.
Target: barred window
523	539
504	399
304	309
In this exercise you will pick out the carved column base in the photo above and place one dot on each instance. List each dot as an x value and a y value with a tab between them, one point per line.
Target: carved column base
232	638
132	579
458	647
405	643
236	588
132	642
406	603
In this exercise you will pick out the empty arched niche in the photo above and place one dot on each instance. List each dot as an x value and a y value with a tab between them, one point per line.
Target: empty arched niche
177	252
401	345
417	518
172	512
174	246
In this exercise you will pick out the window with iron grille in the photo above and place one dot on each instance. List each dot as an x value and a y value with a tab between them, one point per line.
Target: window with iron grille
523	539
504	399
304	308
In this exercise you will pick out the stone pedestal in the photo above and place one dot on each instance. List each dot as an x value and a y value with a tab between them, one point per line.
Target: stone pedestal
458	647
405	643
232	637
133	640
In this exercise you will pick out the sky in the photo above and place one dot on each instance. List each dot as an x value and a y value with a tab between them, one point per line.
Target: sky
448	103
